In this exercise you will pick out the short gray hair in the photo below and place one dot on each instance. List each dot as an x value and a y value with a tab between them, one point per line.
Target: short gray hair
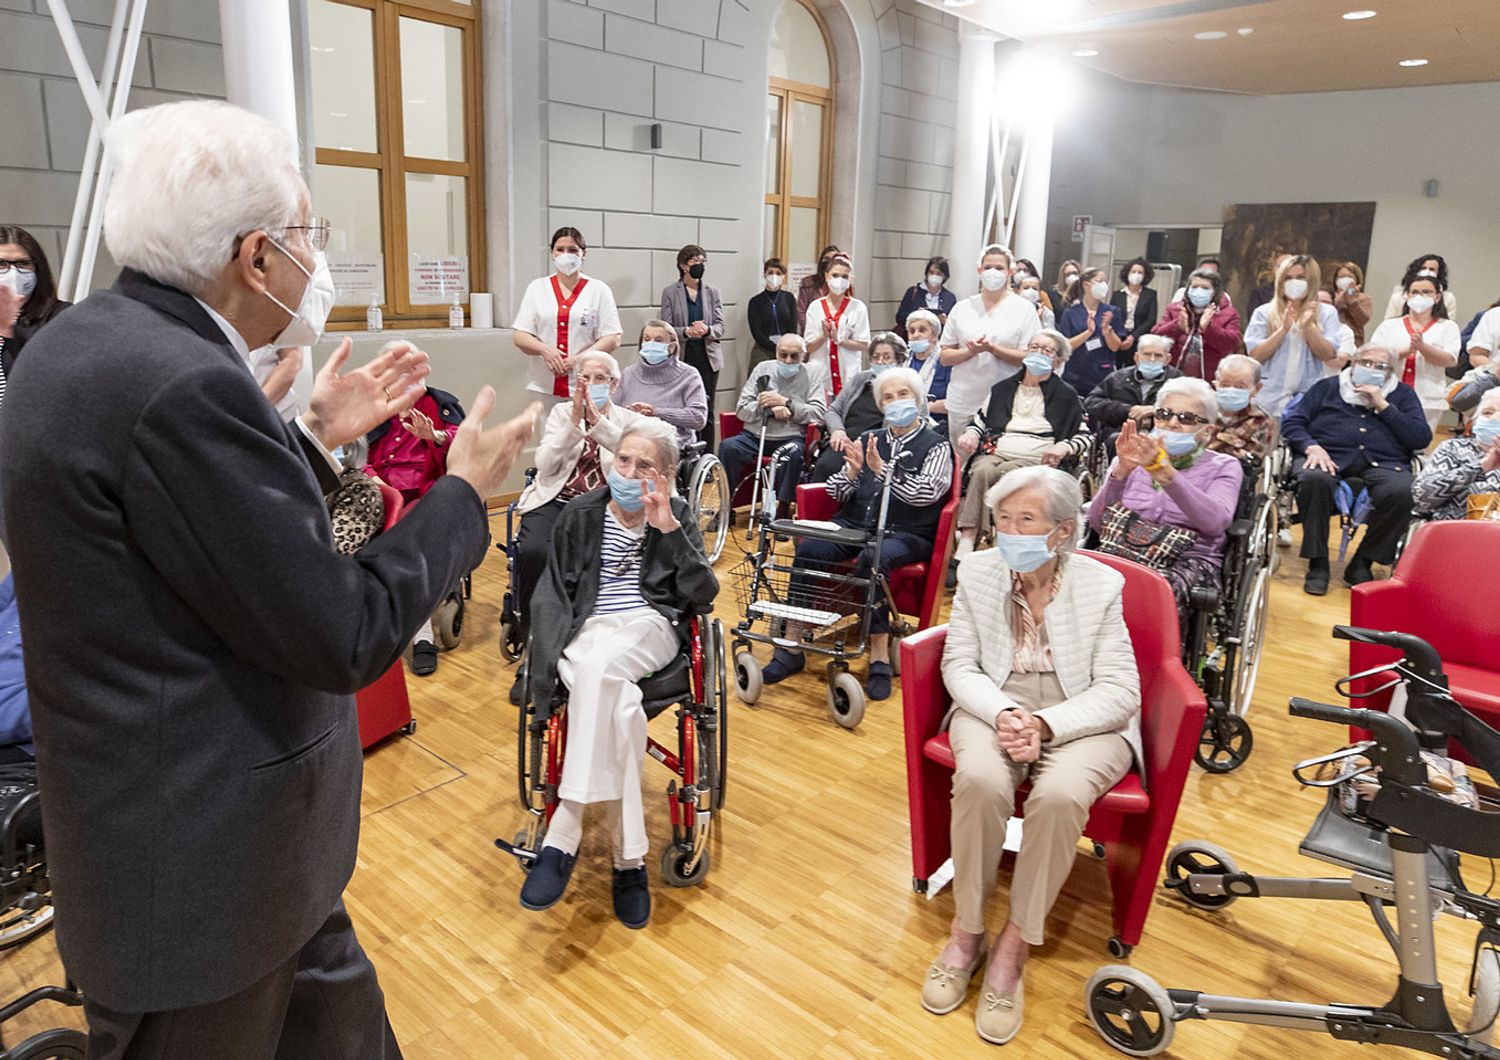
894	341
663	326
1160	342
929	316
1370	347
905	375
1060	344
191	178
1195	389
1063	495
665	437
599	355
1240	360
792	336
1489	397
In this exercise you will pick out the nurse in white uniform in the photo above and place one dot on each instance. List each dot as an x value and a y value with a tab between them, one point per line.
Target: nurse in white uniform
837	322
1428	340
563	316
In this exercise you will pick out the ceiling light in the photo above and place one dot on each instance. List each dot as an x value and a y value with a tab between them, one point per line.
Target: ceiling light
1245	31
1085	53
957	3
1413	62
1358	16
1211	34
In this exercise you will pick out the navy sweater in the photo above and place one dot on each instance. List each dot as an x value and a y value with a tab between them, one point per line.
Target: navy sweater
1350	432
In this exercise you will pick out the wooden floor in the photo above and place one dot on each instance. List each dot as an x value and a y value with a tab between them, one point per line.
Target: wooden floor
805	939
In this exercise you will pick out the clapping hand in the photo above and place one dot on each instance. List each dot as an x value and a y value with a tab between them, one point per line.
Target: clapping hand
1184	321
1019	733
656	492
1489	458
419	424
854	462
872	458
10	307
1134	449
1206	317
348	406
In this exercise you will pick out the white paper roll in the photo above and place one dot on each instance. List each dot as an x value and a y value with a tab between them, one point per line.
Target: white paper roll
481	310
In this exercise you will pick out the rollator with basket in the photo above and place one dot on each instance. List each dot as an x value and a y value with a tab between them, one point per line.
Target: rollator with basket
1399	816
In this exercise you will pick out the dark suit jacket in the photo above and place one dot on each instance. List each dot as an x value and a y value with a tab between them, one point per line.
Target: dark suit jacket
192	643
1146	317
772	313
24	333
674	310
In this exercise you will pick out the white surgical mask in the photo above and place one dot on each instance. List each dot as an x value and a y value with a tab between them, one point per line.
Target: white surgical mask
1137	278
1070	279
22	283
1020	275
838	284
935	280
1344	282
993	279
1031	294
1420	303
567	264
311	314
1100	291
1295	289
773	281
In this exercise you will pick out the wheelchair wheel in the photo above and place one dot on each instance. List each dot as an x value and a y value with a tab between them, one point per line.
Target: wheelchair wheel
717	707
846	698
512	640
26	924
60	1043
1198	858
1224	743
1130	1010
895	655
747	679
448	622
709	497
1250	624
674	871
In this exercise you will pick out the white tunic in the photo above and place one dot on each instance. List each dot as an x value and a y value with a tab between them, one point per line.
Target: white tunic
592	316
854	324
1011	323
1431	381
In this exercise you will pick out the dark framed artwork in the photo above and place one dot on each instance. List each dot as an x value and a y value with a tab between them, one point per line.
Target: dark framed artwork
1255	232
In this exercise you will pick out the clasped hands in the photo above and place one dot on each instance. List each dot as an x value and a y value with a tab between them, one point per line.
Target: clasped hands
1021	734
856	460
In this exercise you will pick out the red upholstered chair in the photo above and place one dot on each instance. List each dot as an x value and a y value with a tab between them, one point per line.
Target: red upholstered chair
730	424
1440	592
1132	821
916	587
384	706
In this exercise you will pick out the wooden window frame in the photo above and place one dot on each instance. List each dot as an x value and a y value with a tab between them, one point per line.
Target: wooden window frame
391	164
791	93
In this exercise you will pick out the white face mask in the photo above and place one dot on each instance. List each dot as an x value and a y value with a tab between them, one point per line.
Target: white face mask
1428	273
1031	294
22	283
1137	278
838	284
1100	291
1420	303
773	281
935	280
993	279
1070	279
311	314
1344	282
1295	289
568	263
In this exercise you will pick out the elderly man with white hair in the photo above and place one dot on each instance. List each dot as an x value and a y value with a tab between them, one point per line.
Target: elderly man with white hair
1045	690
1129	393
1461	480
919	462
781	398
176	569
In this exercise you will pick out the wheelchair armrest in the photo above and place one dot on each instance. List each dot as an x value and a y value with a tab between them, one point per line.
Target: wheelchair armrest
1203	598
1239	528
693	450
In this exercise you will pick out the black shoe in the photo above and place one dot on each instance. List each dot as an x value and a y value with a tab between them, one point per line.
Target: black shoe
1316	582
423	658
518	688
782	665
1358	571
878	683
632	897
952	581
547	880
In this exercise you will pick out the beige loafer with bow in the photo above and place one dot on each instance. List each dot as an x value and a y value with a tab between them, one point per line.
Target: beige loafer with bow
945	986
999	1017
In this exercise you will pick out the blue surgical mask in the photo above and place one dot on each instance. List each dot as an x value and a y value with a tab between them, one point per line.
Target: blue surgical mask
901	413
1023	553
654	352
878	368
917	347
1177	443
599	394
628	493
1368	376
1487	431
1233	398
1038	364
788	369
1200	296
1151	369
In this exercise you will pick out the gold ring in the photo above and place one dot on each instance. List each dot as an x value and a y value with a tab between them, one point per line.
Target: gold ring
387	393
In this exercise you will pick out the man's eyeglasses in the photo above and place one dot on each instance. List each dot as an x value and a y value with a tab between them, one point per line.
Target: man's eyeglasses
1187	419
19	264
318	230
1375	365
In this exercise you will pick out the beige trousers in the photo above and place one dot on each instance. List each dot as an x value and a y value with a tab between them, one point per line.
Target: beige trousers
1066	781
984	472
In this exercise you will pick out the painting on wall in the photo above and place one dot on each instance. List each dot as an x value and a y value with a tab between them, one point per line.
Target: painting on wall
1254	233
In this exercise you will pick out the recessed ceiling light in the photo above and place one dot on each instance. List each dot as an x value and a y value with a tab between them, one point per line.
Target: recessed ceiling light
1358	16
1085	53
1413	62
1245	31
1210	34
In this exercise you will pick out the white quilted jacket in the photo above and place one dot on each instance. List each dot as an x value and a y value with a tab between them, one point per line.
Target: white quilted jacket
1085	626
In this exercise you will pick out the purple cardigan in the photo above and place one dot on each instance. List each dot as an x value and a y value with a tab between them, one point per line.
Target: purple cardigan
673	389
1201	497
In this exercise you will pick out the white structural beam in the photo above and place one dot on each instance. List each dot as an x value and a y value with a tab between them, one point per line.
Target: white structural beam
1029	215
971	153
257	36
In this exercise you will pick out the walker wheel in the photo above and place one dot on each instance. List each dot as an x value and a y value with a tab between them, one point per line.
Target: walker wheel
747	679
448	623
1198	858
674	871
1129	1010
895	655
512	643
1224	744
59	1043
28	922
1119	950
410	727
846	698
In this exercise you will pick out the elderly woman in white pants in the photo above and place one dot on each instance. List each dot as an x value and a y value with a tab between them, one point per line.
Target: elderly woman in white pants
625	575
1045	690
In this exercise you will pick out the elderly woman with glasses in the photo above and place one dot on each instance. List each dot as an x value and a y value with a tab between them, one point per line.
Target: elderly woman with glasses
1462	479
1045	691
1365	424
625	573
1168	478
1033	417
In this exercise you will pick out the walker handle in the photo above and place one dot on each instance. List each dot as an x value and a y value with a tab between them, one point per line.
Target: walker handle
1395	750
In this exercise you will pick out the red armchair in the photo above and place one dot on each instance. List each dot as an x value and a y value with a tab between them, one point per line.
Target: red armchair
916	587
1432	594
384	707
1132	821
730	424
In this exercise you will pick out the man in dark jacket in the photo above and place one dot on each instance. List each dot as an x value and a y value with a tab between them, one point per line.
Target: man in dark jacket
1130	393
193	639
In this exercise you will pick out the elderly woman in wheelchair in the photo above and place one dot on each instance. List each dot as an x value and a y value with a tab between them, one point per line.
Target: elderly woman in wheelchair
1033	417
1462	478
1045	690
624	578
1168	499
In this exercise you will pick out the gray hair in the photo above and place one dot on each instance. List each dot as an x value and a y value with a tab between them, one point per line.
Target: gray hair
1240	360
1059	341
1369	347
1489	397
996	248
665	437
1158	342
792	336
894	341
664	326
1063	495
608	360
190	179
905	375
927	315
1197	390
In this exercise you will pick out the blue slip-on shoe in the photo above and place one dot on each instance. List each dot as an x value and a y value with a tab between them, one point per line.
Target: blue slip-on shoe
547	880
632	897
782	665
878	684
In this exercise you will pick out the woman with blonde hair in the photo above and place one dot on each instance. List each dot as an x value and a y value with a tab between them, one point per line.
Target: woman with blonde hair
1293	335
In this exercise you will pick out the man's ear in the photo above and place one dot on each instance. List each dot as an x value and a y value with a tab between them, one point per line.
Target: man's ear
250	260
